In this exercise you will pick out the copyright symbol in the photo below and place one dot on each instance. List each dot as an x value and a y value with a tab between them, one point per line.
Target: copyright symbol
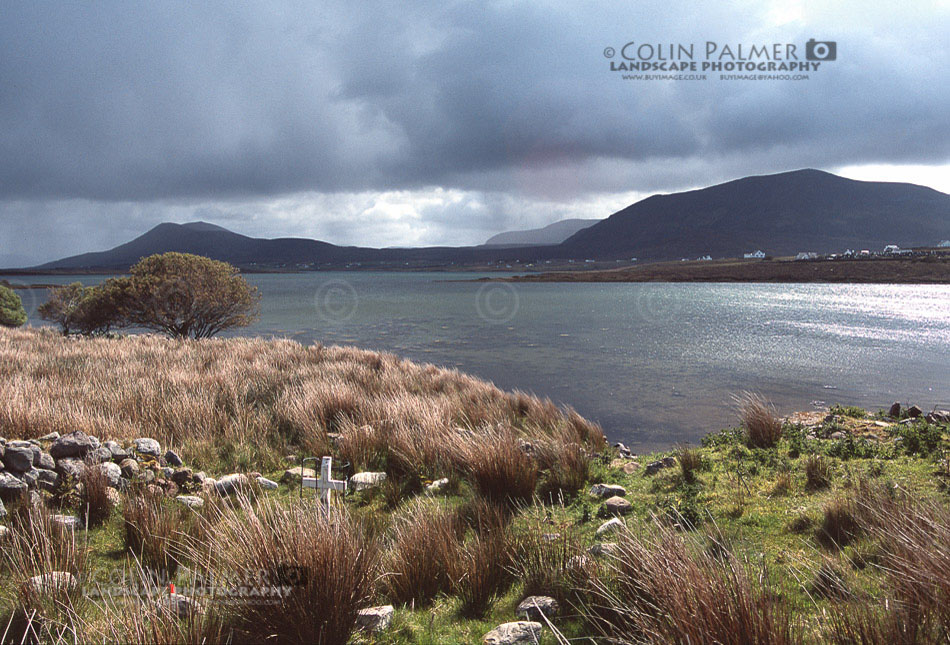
336	301
497	303
609	52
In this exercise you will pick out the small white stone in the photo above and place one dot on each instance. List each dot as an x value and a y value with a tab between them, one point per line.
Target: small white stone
191	501
610	526
360	481
267	484
438	485
521	631
375	619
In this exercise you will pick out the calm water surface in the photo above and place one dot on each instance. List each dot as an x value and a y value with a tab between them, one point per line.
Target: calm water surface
655	364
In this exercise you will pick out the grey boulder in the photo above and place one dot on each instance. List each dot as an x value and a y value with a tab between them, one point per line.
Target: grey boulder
74	444
521	631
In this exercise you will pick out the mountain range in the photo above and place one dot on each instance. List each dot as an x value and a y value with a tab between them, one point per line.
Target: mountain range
781	214
551	234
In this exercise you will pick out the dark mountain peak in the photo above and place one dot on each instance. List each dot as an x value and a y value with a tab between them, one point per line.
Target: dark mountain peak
204	226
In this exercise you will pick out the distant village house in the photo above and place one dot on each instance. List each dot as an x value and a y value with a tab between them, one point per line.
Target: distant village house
756	255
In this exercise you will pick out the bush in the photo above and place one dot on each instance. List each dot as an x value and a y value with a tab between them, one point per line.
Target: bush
424	548
763	428
184	295
12	313
552	565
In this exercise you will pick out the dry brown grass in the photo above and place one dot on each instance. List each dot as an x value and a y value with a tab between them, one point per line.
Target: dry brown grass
661	588
154	533
425	546
244	403
95	506
325	566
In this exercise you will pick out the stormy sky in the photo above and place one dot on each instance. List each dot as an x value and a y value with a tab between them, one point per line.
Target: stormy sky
417	123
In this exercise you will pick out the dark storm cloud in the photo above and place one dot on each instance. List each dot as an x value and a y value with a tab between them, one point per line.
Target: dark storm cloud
152	111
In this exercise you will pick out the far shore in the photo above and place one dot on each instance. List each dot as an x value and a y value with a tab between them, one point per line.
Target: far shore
929	270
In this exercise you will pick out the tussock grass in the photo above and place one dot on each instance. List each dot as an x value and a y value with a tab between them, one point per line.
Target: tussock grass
762	426
247	402
154	533
424	549
96	506
662	588
37	546
818	472
324	562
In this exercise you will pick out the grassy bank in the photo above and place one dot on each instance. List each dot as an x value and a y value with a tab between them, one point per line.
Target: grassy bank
821	528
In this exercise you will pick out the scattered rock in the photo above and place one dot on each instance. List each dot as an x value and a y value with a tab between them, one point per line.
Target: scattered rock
657	466
609	526
607	490
118	452
230	484
129	467
267	484
99	455
895	411
375	619
112	472
70	467
913	412
618	506
294	475
46	479
623	450
191	501
49	583
438	485
154	490
208	485
11	488
512	633
148	447
603	549
51	436
537	608
18	456
199	477
939	416
179	605
172	458
74	444
359	481
181	476
837	435
4	531
45	461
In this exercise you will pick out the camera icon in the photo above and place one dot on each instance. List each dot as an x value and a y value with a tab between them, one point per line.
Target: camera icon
821	50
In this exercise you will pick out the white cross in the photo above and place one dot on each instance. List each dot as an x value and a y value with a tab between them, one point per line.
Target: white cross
325	484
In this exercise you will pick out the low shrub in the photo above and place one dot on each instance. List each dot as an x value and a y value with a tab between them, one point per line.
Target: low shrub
499	467
690	461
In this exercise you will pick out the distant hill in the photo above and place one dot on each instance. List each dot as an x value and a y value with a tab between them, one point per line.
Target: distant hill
551	234
782	214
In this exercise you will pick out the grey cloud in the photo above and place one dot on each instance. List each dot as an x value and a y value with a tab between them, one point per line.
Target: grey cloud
285	117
